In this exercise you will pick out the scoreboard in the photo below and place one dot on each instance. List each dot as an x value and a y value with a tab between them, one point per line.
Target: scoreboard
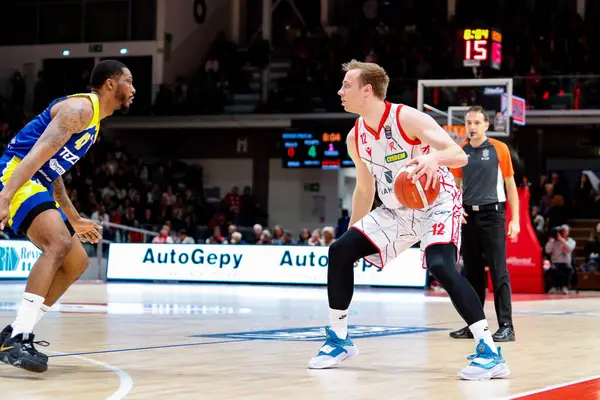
481	47
324	150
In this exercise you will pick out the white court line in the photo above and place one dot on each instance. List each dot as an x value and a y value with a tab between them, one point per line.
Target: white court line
549	388
125	381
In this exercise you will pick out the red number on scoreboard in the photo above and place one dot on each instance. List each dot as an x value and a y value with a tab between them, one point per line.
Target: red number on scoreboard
497	53
291	152
476	50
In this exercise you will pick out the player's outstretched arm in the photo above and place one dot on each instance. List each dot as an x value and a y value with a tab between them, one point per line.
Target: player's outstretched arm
419	125
62	198
364	191
73	116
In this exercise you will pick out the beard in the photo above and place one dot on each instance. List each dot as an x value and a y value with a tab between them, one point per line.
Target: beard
122	98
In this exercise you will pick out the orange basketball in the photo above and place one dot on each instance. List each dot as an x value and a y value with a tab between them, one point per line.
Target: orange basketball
414	195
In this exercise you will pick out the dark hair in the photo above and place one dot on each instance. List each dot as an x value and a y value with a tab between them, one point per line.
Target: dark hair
104	70
479	109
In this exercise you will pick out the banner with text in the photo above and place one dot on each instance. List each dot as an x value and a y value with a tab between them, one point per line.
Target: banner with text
251	264
16	258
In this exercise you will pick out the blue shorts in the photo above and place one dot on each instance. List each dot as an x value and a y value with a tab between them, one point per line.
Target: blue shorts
30	200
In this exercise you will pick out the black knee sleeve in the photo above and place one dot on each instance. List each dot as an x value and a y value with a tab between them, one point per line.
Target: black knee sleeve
343	253
441	262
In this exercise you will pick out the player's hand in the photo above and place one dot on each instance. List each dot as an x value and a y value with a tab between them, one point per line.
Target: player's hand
87	230
427	165
4	211
513	229
464	217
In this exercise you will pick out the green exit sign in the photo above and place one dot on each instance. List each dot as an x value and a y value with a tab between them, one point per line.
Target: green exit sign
312	187
96	48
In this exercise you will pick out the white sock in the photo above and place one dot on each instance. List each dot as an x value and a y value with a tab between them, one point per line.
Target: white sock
43	310
480	330
338	320
28	314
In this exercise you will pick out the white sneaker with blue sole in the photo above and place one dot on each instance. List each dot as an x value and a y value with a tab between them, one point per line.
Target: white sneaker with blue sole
334	351
485	365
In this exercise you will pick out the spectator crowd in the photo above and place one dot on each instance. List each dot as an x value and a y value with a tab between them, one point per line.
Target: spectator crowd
554	204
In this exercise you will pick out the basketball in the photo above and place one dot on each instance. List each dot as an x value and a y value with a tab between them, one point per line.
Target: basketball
414	195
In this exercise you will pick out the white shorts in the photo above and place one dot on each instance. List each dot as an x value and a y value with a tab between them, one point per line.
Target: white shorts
394	230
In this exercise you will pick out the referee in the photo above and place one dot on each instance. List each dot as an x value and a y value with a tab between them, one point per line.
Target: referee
482	183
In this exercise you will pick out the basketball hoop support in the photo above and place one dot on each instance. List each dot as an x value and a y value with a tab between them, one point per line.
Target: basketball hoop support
506	82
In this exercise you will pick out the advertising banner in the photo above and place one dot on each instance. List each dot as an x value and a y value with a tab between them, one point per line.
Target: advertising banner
251	264
16	258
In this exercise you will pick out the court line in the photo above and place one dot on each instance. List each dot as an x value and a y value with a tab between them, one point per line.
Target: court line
125	381
445	323
147	348
551	388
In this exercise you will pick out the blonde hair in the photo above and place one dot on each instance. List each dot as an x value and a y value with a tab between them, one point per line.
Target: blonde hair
370	74
329	229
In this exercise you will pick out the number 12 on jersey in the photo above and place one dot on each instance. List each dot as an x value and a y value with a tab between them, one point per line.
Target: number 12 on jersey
438	228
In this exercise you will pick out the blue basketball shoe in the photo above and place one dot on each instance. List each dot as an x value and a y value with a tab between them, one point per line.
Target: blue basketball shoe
334	351
485	364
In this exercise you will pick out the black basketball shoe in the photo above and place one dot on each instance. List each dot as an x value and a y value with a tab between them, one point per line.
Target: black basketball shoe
19	351
464	333
6	332
505	333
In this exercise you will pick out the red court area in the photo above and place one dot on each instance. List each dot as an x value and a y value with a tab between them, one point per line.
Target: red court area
588	389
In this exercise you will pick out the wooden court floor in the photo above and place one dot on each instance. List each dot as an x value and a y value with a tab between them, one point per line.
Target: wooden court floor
155	341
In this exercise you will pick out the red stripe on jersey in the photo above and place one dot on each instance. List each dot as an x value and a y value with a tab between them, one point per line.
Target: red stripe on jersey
413	142
384	118
356	136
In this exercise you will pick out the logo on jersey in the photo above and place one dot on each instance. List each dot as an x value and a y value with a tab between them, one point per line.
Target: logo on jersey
389	177
68	156
392	146
396	157
388	132
369	151
55	166
486	155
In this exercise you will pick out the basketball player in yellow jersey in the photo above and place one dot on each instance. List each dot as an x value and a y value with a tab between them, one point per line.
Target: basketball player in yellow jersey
385	137
33	200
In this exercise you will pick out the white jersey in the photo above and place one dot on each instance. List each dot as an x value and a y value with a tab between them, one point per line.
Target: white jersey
387	150
393	228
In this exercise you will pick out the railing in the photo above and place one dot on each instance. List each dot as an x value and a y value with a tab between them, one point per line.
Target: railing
119	234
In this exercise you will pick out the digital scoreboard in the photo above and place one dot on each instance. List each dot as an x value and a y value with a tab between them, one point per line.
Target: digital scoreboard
481	47
325	150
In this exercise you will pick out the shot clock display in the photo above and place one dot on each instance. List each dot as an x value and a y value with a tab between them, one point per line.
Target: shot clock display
325	150
481	48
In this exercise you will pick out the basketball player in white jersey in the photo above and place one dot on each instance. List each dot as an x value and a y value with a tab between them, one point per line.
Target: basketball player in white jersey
384	138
